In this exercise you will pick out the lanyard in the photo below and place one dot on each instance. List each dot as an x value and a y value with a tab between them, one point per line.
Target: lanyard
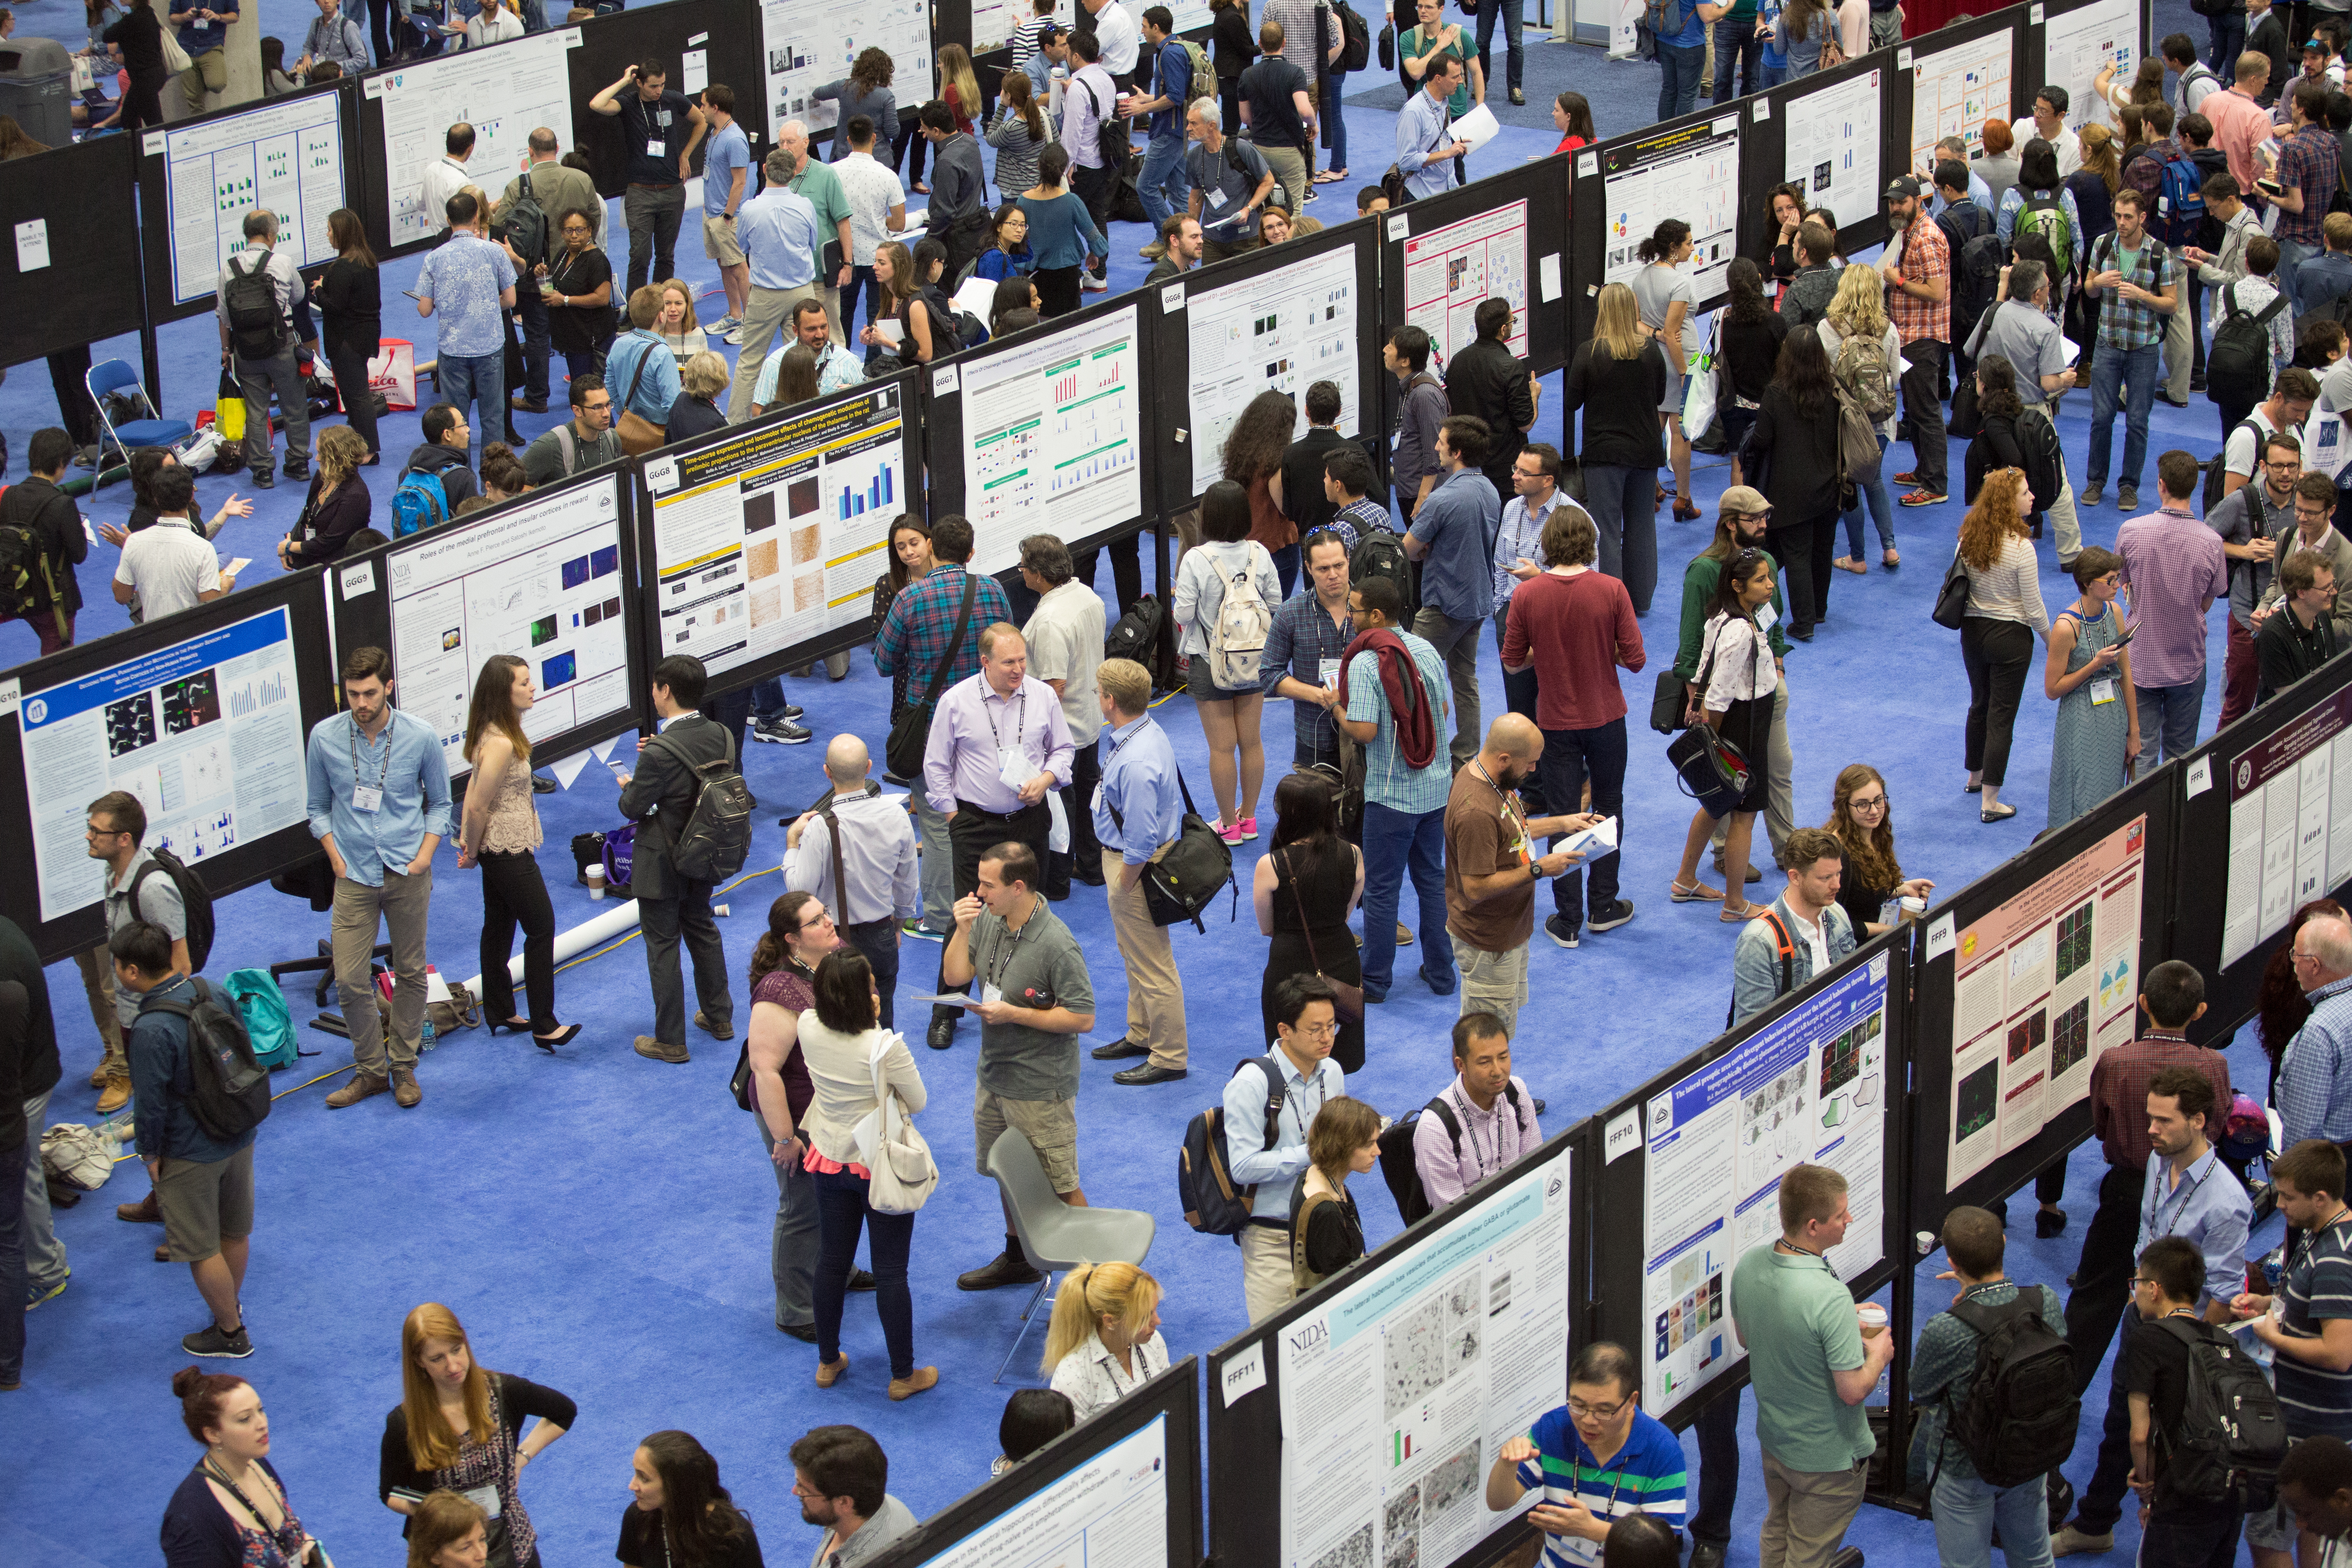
1502	1104
1020	719
1510	814
1576	1478
1006	950
2153	1217
1820	1257
383	773
1137	728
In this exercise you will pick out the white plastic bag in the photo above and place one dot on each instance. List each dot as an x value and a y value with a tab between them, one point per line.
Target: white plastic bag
1057	836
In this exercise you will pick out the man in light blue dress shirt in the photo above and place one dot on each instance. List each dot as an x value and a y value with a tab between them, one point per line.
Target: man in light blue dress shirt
1426	145
1307	1024
379	805
1139	815
778	231
2314	1094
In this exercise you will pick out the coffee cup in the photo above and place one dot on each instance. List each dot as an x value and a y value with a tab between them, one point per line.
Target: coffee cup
595	881
1874	1319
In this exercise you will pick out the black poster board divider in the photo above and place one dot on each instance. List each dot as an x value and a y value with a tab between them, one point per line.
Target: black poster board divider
610	43
239	866
83	195
1541	186
1173	1396
1590	237
1764	152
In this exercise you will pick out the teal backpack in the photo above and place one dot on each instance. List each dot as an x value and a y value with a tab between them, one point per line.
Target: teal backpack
263	1007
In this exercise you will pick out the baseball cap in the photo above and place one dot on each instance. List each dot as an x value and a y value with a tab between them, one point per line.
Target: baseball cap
1902	186
1745	499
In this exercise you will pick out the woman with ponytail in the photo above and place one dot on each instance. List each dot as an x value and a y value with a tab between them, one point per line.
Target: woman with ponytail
680	1516
1104	1341
231	1511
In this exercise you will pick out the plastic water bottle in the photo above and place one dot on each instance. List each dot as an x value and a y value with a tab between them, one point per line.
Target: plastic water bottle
427	1039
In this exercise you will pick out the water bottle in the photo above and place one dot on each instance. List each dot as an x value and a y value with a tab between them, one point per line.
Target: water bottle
426	1040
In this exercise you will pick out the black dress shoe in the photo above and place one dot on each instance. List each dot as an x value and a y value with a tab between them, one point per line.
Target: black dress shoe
1706	1554
941	1033
1148	1073
541	785
1002	1270
860	1280
1120	1050
804	1332
2048	1223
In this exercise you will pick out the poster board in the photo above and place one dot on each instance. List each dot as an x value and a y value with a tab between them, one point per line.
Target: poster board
1279	320
1124	1487
1363	1416
1958	84
700	42
1505	234
505	92
993	23
1699	1152
802	45
1688	169
73	213
2077	41
1828	135
763	538
1045	432
2265	816
200	715
2024	978
199	178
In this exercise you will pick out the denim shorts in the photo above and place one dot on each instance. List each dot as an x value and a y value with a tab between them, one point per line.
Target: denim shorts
1202	687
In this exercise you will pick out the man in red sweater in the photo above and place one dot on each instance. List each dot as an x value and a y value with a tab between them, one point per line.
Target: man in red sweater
1575	626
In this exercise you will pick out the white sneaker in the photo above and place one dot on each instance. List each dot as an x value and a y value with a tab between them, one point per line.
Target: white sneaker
1095	285
734	337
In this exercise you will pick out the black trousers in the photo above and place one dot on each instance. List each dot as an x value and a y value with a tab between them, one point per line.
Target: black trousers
971	833
1094	188
1999	655
68	369
1923	374
1821	566
1058	291
1793	546
879	941
514	893
666	921
2103	1278
1083	860
350	364
2102	1502
1718	1468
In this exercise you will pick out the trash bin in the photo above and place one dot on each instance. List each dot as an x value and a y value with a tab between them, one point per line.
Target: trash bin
36	89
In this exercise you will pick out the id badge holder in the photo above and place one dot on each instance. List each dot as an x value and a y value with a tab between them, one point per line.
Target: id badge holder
484	1498
1767	617
655	147
991	993
1217	200
2103	692
367	797
1095	804
1328	672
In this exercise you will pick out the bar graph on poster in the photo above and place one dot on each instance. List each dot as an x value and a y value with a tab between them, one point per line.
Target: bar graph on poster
2076	43
1281	330
2290	824
814	42
772	536
541	582
1955	90
285	158
1450	271
1692	173
200	731
1052	437
505	93
1833	146
1809	1088
2040	986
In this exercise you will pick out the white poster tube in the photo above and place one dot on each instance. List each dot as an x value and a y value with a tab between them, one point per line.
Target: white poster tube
621	917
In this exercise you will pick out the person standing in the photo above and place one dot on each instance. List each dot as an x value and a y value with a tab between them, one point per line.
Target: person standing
137	889
2315	503
556	190
1064	635
379	805
1918	274
659	132
1278	110
1089	122
1138	817
1519	557
2088	674
672	906
499	831
1742	521
39	1069
860	835
779	232
1492	869
2173	570
1428	156
2304	170
1452	536
350	298
2312	1091
1228	180
257	337
957	213
1812	1368
1224	564
1737	675
1491	384
817	182
1300	489
2297	638
1637	1469
1480	1124
1619	380
24	1064
2137	283
1303	891
2004	616
777	1090
459	1428
1395	680
1162	183
726	186
470	283
1267	1114
2252	520
1414	467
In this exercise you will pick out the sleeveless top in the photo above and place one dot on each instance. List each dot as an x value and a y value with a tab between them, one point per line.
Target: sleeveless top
513	825
1321	887
787	987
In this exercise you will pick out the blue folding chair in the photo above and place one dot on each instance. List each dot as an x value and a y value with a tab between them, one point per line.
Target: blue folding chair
114	378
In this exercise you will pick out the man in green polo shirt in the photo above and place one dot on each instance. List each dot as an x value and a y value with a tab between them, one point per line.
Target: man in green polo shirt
1812	1368
821	189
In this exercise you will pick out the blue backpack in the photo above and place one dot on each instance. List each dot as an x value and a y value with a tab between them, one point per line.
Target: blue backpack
2179	203
267	1021
422	501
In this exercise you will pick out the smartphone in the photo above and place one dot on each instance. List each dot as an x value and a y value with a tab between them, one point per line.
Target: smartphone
414	295
2125	640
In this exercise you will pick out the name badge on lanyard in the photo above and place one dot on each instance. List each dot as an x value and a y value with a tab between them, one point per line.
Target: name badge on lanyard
484	1498
2103	692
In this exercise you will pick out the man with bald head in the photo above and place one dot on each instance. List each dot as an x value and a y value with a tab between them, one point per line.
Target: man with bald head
813	180
1492	868
854	848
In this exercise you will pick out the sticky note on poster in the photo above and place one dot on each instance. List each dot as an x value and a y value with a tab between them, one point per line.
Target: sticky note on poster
33	245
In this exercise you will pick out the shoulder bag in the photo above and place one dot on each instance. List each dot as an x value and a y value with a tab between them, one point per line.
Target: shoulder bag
910	733
1952	598
1711	770
897	1158
1179	885
1346	999
638	434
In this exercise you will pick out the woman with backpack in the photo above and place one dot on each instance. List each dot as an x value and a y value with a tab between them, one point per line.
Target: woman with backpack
498	832
2003	617
1858	309
1793	452
2007	438
2233	394
2042	202
1227	562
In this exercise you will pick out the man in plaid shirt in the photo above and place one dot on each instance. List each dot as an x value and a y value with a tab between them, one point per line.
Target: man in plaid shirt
914	635
2305	170
1918	274
2137	285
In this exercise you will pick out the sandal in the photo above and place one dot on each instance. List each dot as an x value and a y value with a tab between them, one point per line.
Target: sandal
1701	894
1848	563
1741	915
1331	176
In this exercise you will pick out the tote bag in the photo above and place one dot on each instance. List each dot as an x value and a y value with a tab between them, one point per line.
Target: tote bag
899	1161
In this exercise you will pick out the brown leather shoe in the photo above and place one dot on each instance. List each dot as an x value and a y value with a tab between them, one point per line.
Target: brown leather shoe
404	1092
828	1373
114	1096
654	1050
146	1211
98	1073
361	1086
914	1383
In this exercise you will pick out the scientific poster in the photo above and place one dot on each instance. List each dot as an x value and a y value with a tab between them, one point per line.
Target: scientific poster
2076	43
1449	272
1111	1510
287	158
200	731
1281	330
1833	146
1397	1392
2290	824
1954	91
541	582
994	22
1810	1089
2040	986
776	534
1052	429
1693	174
811	43
505	92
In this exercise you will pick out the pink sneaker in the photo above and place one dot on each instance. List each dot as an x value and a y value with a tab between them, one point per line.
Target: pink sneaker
1249	827
1232	835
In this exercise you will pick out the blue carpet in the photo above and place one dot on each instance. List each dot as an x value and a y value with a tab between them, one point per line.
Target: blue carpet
601	1222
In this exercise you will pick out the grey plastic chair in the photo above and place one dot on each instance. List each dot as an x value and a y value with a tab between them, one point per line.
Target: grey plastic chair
1056	1236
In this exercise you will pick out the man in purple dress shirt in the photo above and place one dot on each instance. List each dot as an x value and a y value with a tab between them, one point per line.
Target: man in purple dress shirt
998	746
2173	570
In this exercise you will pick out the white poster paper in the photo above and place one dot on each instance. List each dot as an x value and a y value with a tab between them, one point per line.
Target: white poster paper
2075	45
1052	430
1111	1510
812	43
2290	824
1449	272
1693	174
200	731
1832	145
994	22
286	158
1954	91
505	93
1282	330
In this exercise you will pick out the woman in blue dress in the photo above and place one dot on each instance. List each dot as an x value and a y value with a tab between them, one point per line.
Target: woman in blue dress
2089	677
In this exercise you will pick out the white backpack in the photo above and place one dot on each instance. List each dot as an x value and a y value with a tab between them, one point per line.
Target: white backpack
1237	636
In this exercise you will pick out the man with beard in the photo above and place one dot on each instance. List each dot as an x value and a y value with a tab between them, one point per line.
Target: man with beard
841	1477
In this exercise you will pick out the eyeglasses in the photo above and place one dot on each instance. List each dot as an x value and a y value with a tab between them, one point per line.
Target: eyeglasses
2303	957
1320	1031
1876	803
822	921
1583	1411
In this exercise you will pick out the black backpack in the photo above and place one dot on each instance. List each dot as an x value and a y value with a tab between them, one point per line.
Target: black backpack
2217	468
231	1088
28	582
1204	1177
2238	365
522	224
1976	280
2231	1434
1137	635
1402	1172
1380	553
2018	1421
196	899
1356	48
717	837
255	326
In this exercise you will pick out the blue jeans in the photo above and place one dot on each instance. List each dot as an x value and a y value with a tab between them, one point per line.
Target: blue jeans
1772	76
2169	713
1162	183
1569	758
1967	1511
1395	841
2130	374
841	1214
1736	43
768	700
13	1284
2293	254
1624	506
1882	509
1335	122
1679	70
479	380
2228	37
1514	14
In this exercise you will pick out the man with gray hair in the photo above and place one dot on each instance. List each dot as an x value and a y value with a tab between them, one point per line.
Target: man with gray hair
778	231
1066	643
854	848
2314	1094
258	291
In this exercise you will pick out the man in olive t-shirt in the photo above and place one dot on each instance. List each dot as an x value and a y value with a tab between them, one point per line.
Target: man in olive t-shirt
1812	1369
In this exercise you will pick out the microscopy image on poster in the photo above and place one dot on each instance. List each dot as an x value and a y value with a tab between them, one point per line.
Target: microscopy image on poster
1449	272
1053	428
1279	332
2076	43
200	731
1111	1508
2290	824
812	42
1397	1390
1954	91
1693	174
1833	146
286	158
505	92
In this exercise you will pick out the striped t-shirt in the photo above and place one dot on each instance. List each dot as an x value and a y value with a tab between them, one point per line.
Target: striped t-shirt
2318	1286
1646	1475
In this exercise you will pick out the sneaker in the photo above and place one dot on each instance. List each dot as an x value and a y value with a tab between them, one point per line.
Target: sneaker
1910	479
1231	834
361	1086
2127	499
919	932
724	325
210	1340
1609	917
1249	827
781	733
1557	928
1093	284
2070	1541
51	1294
2091	495
654	1050
734	337
1155	251
1922	498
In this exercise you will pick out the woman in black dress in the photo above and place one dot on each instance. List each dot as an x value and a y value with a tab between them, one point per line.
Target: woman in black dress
140	35
1307	885
1236	47
578	288
681	1517
351	297
1752	335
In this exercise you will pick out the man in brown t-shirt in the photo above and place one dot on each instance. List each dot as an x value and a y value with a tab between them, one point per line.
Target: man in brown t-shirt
1492	870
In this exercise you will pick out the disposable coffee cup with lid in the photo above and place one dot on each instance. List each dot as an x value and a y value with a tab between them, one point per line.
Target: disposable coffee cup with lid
1874	1319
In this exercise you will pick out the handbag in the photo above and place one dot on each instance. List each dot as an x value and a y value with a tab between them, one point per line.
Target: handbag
1670	708
175	59
1179	885
1710	769
1952	598
1347	998
910	733
638	434
898	1161
1700	395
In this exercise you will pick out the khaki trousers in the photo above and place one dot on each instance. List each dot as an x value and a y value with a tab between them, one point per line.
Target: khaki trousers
402	904
1806	1513
97	966
765	316
1155	992
1290	172
1265	1271
1493	982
